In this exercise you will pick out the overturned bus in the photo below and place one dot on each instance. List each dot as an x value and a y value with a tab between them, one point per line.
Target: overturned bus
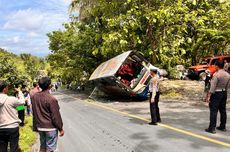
124	75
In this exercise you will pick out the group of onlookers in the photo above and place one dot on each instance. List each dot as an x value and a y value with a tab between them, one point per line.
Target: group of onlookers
47	120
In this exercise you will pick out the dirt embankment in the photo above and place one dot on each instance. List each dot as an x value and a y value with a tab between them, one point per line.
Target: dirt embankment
184	91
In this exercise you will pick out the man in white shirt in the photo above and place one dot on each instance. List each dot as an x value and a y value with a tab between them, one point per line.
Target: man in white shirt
9	121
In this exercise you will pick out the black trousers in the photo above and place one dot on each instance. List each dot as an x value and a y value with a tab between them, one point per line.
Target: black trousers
154	108
21	116
9	135
218	103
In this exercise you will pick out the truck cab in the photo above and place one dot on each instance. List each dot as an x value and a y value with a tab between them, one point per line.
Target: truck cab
207	65
211	68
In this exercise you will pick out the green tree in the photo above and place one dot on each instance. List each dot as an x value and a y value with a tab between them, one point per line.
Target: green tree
167	32
32	65
20	69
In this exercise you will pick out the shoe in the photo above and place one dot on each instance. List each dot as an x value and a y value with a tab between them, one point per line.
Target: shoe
152	123
210	131
221	129
19	149
158	120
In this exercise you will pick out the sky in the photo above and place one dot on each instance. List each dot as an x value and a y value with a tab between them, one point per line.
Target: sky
25	23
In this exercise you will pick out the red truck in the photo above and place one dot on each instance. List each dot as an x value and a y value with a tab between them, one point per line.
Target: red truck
206	66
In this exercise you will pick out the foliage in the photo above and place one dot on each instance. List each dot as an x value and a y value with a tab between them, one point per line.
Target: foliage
20	69
173	73
33	65
166	32
11	67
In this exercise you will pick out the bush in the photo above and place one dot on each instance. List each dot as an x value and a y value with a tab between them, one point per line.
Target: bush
173	73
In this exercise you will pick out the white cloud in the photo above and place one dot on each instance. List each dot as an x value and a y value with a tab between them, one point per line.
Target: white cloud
11	41
36	21
24	20
23	27
15	39
32	34
24	44
53	22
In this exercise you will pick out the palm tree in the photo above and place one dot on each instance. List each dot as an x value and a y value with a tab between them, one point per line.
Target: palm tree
81	6
74	6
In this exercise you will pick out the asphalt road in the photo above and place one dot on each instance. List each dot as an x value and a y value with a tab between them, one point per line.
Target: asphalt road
92	128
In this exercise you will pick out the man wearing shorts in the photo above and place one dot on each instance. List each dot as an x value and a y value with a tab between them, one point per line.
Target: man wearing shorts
46	115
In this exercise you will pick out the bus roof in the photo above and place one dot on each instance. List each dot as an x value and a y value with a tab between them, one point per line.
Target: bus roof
110	67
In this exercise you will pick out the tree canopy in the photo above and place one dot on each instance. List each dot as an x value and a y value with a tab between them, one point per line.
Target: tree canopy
24	68
168	33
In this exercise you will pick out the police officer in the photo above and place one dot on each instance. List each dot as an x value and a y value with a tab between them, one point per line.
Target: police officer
217	98
154	97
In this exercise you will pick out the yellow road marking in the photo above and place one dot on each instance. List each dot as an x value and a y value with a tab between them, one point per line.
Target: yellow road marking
159	124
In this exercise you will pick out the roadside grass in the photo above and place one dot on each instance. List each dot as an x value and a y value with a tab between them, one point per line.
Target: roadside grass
27	136
172	94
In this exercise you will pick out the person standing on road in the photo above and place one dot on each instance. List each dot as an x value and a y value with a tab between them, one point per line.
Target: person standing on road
9	121
27	101
154	97
217	98
46	115
56	86
32	92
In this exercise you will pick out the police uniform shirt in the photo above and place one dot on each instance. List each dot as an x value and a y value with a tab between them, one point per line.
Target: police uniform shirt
154	84
220	81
